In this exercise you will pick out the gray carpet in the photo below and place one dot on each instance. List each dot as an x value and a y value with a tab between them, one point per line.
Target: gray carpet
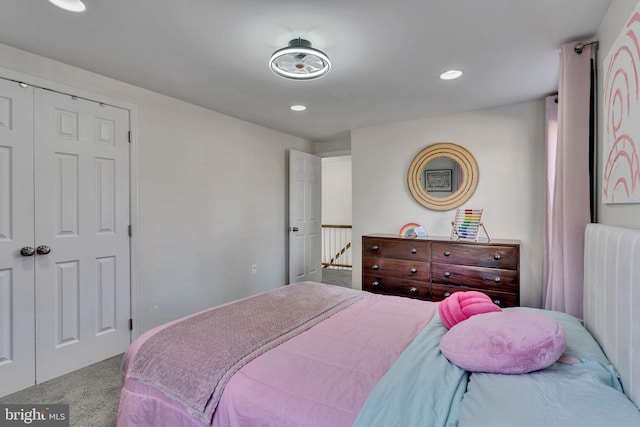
336	277
92	393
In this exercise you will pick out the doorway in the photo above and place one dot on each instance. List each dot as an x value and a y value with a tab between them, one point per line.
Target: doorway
337	220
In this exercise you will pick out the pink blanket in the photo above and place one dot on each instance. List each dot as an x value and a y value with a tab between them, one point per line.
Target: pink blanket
320	377
192	361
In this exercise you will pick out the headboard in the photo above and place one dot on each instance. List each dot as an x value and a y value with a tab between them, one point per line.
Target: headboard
612	298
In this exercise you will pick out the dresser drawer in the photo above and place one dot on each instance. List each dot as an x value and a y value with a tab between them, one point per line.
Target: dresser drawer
478	277
503	299
395	286
505	257
389	267
411	249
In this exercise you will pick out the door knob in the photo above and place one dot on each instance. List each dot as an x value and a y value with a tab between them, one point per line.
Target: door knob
43	250
27	251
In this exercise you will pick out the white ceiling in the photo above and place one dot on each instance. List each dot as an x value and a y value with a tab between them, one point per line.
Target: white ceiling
386	55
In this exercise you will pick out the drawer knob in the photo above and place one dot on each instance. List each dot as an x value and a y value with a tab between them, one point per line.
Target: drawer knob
447	294
375	284
414	270
497	302
497	280
447	274
447	253
375	247
414	250
497	257
375	267
413	290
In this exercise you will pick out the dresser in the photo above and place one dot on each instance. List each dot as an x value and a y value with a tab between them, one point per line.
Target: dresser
435	267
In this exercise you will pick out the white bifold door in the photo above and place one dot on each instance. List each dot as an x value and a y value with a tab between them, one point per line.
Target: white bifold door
64	241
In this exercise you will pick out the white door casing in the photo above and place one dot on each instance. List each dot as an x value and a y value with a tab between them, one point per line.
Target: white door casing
82	215
17	346
305	222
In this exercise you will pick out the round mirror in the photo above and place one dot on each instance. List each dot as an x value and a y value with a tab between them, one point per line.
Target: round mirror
443	176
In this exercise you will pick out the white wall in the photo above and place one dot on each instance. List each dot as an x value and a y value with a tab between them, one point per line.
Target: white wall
336	190
627	215
212	196
508	144
338	147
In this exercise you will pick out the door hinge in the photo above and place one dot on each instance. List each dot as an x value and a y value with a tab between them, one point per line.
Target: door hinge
130	136
131	324
130	231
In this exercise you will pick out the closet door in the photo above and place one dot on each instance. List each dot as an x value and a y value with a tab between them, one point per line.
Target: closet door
81	232
16	232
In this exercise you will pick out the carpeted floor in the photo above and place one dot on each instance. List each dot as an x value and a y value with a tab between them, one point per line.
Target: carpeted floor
337	277
92	393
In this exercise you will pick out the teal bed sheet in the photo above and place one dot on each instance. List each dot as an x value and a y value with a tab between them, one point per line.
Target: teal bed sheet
422	388
586	394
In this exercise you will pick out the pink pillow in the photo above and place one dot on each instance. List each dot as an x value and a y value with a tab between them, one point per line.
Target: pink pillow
505	343
462	305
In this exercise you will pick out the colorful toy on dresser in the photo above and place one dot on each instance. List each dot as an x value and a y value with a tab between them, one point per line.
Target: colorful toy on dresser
467	224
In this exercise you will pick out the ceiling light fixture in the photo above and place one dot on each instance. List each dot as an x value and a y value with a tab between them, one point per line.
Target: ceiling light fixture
299	61
70	5
451	74
297	108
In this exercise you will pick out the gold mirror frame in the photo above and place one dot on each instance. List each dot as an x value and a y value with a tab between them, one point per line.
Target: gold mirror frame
465	190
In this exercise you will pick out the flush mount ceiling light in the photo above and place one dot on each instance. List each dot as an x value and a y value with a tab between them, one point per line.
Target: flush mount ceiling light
299	61
297	108
451	74
70	5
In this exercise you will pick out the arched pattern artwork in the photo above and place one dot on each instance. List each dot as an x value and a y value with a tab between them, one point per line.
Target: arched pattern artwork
621	100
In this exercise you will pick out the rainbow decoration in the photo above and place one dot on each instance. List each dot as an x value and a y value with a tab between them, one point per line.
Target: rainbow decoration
412	230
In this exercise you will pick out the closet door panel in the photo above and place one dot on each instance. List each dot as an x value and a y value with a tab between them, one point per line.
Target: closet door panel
17	350
82	215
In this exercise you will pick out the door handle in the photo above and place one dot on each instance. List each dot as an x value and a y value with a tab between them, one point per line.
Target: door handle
43	250
294	229
27	251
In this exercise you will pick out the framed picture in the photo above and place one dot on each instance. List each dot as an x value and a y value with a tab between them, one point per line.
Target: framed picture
621	143
437	180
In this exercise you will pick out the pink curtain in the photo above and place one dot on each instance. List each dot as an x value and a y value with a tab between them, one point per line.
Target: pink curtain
568	192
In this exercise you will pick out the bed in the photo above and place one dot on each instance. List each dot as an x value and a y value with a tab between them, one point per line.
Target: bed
317	355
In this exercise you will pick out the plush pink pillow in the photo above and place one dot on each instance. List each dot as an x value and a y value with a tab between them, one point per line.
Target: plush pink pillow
462	305
505	343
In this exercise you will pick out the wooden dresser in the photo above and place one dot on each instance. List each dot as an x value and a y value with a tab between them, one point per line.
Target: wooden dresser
435	267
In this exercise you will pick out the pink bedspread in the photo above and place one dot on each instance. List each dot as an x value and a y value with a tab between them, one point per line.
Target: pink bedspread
319	378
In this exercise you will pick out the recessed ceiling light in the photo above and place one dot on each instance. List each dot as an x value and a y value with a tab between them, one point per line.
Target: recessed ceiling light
297	108
451	74
70	5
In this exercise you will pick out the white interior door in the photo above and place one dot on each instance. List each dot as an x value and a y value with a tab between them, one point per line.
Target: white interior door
17	350
305	212
82	215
